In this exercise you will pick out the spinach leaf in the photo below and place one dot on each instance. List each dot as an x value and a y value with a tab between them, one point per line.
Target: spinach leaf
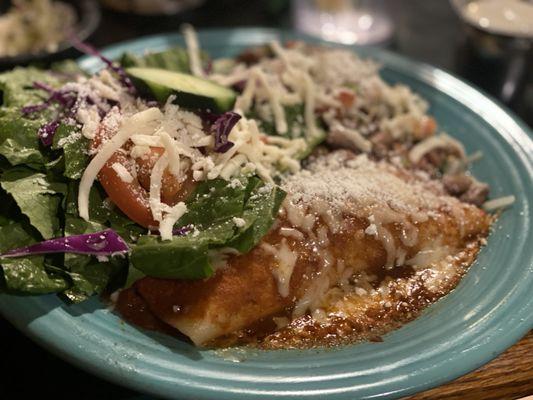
37	196
211	211
212	208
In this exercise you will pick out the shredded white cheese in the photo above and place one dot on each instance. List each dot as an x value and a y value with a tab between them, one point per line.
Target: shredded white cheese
167	223
244	101
350	138
142	121
438	141
499	203
286	261
173	154
122	172
193	50
156	182
277	109
90	120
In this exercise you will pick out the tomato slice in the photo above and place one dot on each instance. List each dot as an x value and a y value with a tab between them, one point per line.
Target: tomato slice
132	198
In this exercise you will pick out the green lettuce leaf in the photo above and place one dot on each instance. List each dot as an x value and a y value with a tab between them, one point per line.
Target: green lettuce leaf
102	214
37	196
211	211
19	142
17	88
260	211
26	275
75	277
295	122
184	257
89	275
75	150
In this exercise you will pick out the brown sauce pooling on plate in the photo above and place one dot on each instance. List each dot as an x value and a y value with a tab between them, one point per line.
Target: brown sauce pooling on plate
370	315
134	310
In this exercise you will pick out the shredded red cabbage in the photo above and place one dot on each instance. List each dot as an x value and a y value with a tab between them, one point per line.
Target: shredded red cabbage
66	100
221	126
104	243
44	86
26	110
117	69
182	230
47	131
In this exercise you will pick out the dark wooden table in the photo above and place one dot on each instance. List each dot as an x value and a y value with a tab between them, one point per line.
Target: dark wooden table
427	30
510	376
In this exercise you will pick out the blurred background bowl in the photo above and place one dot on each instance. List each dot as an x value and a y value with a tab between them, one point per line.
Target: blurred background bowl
497	48
88	19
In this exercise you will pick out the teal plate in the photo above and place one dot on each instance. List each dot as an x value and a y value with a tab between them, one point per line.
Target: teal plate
489	311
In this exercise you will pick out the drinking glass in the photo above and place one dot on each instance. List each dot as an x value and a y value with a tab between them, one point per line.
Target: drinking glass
362	22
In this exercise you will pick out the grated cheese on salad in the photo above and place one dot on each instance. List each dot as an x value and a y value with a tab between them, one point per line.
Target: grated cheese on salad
335	89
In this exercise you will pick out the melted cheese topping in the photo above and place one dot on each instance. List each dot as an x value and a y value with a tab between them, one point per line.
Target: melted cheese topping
340	184
286	260
356	184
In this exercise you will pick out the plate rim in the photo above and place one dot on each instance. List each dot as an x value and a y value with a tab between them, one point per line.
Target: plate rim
504	343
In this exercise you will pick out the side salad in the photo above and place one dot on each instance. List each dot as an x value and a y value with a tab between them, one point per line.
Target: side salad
63	226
